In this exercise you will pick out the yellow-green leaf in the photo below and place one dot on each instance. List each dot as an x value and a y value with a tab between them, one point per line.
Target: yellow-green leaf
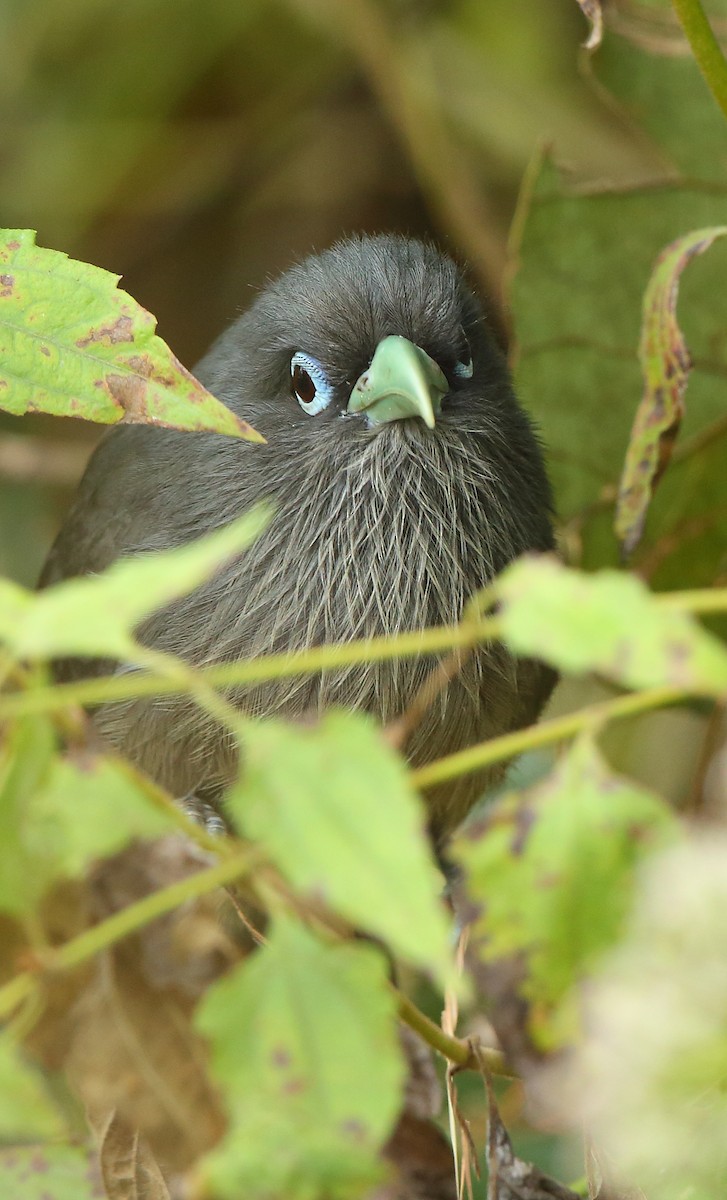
607	622
334	808
73	344
94	616
58	814
26	1110
305	1050
551	871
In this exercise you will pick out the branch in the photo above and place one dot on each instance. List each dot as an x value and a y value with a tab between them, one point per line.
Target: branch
134	685
465	1053
484	754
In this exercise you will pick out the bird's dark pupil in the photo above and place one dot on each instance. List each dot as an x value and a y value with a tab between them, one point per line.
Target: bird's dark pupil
303	385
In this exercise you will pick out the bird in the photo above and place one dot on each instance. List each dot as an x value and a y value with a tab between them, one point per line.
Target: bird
403	475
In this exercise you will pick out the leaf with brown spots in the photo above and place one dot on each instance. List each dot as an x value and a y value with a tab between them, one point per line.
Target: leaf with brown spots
305	1050
60	813
665	366
607	622
74	345
129	1169
549	873
49	1171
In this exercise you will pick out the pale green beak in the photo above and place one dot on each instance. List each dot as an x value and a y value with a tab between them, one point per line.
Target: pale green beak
402	381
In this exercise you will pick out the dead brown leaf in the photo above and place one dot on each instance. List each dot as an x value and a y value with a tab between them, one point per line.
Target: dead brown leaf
128	1168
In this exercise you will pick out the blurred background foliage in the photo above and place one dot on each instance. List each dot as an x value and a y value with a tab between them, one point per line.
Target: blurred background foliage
198	148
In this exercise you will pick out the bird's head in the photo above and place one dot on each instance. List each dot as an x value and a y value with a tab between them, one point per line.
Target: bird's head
395	443
374	331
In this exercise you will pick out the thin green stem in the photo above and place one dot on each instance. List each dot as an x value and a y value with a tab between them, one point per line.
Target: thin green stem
137	684
485	754
705	48
127	921
456	1050
700	600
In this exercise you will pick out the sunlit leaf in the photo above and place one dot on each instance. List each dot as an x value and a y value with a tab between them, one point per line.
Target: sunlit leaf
665	364
73	344
551	872
58	814
305	1051
335	810
94	616
607	622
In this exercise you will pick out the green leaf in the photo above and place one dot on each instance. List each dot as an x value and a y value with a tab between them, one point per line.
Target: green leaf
665	365
26	1111
607	622
652	1077
52	1172
94	616
305	1050
551	870
73	344
334	808
58	815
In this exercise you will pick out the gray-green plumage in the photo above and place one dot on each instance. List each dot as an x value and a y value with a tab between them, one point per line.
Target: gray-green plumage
378	527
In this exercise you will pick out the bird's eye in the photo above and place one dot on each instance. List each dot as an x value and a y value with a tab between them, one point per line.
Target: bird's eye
463	367
309	383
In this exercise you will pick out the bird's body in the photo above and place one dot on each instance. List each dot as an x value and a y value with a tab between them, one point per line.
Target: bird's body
381	523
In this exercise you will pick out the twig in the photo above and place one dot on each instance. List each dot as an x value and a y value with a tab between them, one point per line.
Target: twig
399	731
134	685
466	1053
713	736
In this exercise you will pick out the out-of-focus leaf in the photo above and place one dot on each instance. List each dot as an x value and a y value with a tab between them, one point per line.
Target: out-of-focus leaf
665	364
73	344
610	623
121	1028
57	815
550	872
335	810
49	1172
651	1077
592	10
26	1111
305	1050
94	616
